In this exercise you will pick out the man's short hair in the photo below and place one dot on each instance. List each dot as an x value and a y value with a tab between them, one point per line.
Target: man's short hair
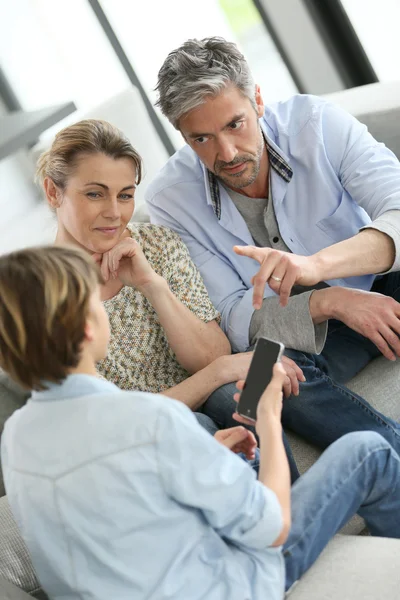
44	304
201	68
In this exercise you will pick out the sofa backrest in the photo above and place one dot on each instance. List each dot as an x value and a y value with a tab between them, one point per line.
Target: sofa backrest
385	127
377	105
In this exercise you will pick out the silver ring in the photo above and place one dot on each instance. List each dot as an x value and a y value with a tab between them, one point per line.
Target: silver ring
278	279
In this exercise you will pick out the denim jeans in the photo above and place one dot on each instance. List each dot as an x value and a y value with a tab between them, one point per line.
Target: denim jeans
325	409
359	473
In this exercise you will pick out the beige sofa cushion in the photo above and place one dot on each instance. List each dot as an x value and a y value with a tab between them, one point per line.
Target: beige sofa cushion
353	568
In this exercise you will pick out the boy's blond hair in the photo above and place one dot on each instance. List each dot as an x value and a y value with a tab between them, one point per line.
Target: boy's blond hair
44	303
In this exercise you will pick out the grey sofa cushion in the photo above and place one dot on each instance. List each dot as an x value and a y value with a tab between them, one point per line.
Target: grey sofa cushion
15	563
353	568
12	397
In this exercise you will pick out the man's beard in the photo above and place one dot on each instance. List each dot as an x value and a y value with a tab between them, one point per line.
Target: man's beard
241	180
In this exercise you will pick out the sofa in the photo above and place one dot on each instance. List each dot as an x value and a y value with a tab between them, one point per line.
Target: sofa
353	566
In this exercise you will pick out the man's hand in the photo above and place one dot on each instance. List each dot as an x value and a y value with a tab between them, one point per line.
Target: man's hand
127	262
238	439
281	270
375	316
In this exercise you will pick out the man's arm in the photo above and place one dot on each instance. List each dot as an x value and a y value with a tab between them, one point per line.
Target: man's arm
294	327
368	252
370	173
231	298
299	325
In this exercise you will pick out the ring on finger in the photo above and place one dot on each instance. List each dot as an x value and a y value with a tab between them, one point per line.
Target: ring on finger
278	279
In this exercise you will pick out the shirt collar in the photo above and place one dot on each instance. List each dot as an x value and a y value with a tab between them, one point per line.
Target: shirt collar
73	387
277	162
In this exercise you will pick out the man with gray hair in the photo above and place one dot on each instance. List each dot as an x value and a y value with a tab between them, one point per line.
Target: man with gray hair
302	189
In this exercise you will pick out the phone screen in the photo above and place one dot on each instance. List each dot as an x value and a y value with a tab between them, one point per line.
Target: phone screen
266	354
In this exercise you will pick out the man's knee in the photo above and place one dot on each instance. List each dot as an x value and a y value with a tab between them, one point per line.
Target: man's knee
360	443
302	359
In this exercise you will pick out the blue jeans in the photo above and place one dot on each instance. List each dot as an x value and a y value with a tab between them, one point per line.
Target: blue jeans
325	409
359	473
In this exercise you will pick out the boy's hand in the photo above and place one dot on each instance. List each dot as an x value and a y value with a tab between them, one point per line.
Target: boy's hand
270	404
238	439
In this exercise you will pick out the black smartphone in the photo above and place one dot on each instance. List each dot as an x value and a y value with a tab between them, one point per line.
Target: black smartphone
266	354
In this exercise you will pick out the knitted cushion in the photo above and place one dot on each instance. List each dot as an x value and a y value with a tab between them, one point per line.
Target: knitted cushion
15	563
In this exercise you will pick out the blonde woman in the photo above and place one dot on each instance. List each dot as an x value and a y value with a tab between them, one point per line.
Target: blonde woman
164	331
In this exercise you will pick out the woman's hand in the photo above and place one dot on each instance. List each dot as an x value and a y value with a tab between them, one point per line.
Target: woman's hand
236	367
269	407
127	262
293	374
238	439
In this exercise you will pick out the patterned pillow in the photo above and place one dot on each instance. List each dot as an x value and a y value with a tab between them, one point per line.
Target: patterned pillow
15	563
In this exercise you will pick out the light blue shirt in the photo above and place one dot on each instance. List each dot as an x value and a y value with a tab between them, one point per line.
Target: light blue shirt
123	495
342	179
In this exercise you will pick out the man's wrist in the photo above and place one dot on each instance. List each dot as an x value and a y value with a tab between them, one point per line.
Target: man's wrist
320	305
319	266
327	304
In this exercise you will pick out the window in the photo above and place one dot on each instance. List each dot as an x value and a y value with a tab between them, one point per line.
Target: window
377	26
149	33
267	65
55	51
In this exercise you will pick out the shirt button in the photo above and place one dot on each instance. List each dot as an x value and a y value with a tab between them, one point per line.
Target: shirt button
275	240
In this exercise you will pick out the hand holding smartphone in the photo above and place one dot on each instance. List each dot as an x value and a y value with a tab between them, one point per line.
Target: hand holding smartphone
266	354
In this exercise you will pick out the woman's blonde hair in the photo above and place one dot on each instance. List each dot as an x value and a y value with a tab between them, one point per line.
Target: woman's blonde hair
85	137
44	304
